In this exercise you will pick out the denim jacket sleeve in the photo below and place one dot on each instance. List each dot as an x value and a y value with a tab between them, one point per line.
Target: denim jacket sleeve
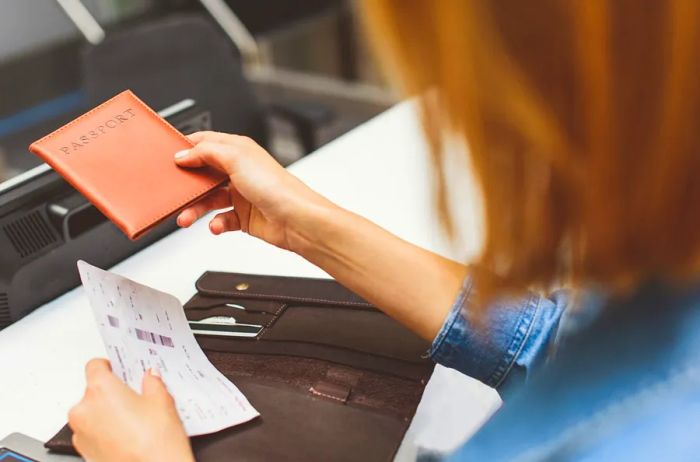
503	348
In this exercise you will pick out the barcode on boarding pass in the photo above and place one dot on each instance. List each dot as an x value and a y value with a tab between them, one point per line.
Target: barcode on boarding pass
154	338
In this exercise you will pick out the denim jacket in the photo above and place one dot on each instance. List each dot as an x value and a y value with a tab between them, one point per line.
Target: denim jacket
621	378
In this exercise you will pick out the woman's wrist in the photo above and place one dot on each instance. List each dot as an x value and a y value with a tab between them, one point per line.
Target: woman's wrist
308	231
399	278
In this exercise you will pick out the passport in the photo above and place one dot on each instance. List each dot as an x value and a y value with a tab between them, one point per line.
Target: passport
119	155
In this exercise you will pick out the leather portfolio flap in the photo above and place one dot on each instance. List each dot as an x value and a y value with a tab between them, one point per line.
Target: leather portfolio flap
309	291
307	318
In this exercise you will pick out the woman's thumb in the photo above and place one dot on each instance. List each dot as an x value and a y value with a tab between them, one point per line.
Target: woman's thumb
187	158
205	153
153	385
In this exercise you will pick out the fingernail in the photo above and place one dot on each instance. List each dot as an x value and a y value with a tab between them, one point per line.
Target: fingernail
155	373
181	154
213	228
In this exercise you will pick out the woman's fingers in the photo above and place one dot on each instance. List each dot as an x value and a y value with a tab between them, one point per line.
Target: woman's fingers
218	137
219	199
218	150
242	208
208	135
224	222
96	367
153	387
208	153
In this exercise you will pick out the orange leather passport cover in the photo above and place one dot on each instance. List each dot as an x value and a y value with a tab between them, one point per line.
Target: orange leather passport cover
120	157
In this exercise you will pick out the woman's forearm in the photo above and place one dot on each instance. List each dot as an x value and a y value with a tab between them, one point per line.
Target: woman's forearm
410	284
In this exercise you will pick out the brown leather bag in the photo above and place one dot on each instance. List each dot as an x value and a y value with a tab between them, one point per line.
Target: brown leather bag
332	377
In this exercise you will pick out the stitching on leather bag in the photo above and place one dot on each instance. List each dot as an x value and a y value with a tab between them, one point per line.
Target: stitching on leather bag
279	310
275	317
199	284
160	121
325	395
290	297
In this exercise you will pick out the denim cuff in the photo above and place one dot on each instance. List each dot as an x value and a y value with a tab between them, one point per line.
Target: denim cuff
439	351
488	350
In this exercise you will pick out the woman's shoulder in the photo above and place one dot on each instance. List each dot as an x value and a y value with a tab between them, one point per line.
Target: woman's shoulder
627	384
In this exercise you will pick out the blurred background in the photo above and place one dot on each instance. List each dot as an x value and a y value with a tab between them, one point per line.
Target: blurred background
291	74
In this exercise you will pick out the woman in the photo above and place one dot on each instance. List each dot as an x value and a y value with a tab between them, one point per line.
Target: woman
580	118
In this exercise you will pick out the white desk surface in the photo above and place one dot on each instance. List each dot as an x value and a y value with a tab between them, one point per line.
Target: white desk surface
379	170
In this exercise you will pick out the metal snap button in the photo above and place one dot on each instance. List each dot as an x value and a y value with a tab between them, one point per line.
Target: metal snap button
242	286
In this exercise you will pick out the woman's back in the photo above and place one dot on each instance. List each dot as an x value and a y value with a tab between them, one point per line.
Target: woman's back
625	388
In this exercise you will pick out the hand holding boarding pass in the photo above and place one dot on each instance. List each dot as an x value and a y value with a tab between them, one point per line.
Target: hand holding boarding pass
150	347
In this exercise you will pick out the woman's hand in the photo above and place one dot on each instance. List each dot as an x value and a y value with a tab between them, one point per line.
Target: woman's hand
413	285
268	202
114	423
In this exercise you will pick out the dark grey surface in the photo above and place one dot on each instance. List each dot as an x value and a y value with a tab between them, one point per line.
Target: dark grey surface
28	446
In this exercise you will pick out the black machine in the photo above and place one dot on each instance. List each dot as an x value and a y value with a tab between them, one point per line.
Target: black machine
46	226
